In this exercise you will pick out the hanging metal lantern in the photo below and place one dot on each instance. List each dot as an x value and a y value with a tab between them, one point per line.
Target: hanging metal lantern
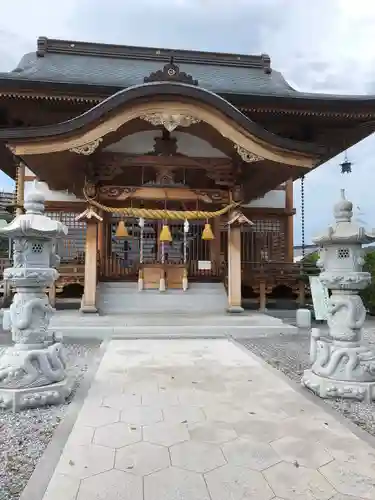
207	233
346	166
165	234
121	231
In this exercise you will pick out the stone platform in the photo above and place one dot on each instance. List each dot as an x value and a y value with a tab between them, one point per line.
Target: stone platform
205	419
73	324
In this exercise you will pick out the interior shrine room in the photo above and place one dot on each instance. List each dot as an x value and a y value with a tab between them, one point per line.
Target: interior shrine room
169	167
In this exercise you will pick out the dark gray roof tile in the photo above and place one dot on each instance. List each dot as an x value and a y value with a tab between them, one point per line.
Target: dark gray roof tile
123	73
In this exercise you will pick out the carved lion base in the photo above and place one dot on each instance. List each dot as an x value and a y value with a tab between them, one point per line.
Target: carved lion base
33	397
327	388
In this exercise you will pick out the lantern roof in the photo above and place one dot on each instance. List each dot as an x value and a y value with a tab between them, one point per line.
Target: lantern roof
34	223
345	230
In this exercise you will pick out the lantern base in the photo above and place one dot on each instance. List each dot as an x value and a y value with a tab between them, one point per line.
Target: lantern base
33	397
327	388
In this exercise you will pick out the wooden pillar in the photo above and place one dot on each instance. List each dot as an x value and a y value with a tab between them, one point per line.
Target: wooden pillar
102	244
88	304
262	296
234	270
52	295
290	219
20	188
215	246
301	294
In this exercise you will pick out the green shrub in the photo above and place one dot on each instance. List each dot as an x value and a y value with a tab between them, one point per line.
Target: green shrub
368	294
308	266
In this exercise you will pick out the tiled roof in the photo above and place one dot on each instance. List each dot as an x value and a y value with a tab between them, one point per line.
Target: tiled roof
122	66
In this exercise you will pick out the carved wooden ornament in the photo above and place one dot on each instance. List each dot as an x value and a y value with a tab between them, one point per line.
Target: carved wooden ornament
169	121
239	219
87	149
170	72
247	156
89	214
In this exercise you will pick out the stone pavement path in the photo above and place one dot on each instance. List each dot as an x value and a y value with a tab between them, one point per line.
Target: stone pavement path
205	420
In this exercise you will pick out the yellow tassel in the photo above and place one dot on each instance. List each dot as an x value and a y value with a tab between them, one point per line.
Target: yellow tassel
165	233
207	232
121	231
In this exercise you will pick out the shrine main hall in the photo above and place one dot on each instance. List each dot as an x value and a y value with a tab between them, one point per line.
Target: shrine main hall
171	168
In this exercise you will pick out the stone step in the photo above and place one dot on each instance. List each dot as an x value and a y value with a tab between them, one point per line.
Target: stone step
209	298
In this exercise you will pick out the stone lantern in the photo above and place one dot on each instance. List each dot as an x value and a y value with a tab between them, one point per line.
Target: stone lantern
32	371
343	366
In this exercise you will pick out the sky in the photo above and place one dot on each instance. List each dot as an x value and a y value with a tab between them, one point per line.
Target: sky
319	46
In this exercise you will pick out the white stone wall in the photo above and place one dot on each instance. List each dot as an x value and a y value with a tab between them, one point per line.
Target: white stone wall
50	194
273	199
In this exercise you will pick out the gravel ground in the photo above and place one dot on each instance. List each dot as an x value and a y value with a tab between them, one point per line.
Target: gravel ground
289	353
25	435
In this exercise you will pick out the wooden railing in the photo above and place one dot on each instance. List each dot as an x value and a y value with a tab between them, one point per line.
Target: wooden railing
4	263
276	271
217	271
117	268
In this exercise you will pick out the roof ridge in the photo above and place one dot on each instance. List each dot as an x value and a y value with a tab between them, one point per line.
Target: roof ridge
49	45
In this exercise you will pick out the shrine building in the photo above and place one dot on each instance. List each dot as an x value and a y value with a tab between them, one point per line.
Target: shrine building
169	166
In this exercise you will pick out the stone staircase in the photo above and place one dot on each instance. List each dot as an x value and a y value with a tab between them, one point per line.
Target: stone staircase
124	298
200	312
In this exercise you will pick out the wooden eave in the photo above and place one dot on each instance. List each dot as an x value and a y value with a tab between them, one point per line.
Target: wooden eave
160	92
341	107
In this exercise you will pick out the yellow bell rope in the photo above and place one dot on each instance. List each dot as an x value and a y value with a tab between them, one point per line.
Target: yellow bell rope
146	213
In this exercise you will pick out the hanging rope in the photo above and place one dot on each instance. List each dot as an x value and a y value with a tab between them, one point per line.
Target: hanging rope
303	216
146	213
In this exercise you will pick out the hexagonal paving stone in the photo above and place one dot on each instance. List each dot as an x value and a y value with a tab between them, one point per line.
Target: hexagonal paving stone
298	483
258	429
212	432
81	434
342	497
112	485
62	487
142	415
350	479
224	413
99	416
304	452
236	483
249	453
198	457
142	458
160	398
175	484
165	433
85	461
117	435
122	401
183	414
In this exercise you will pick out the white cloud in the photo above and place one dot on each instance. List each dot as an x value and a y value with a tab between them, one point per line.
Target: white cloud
320	45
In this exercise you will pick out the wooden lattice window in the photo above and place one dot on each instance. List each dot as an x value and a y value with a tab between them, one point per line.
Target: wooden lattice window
72	247
264	241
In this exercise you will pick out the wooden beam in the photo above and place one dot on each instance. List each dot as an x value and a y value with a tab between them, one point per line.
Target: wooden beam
123	160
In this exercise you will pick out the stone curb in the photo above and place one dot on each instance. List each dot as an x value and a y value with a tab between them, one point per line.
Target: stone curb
40	478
